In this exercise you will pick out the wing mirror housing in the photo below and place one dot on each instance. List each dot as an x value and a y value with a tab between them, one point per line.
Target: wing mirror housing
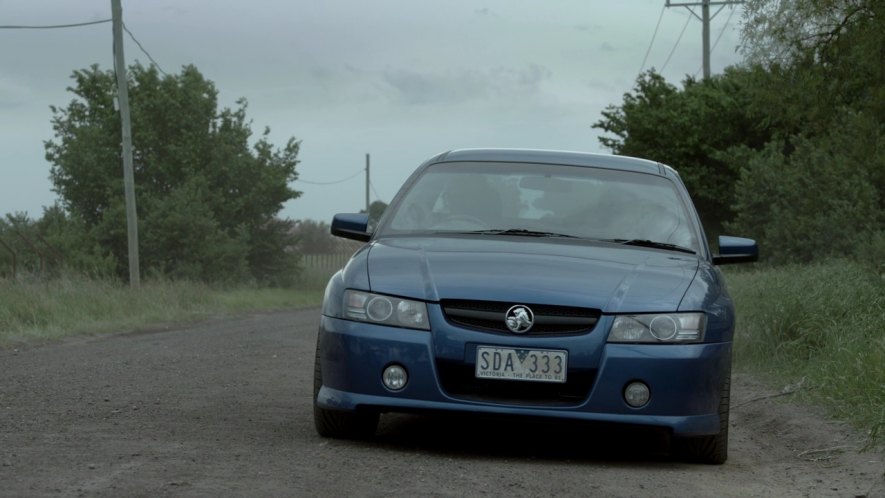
736	250
351	226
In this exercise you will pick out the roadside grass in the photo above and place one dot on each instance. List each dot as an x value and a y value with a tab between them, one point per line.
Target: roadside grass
821	329
44	310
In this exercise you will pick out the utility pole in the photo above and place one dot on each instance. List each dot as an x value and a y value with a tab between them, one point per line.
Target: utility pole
367	183
705	18
705	35
128	175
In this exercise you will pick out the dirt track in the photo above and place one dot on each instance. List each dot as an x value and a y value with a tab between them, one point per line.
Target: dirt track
223	408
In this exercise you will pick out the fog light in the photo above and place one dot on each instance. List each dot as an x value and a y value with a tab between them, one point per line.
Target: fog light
395	377
636	394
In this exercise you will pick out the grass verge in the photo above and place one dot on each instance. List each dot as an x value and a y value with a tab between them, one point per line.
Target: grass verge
818	325
41	311
821	327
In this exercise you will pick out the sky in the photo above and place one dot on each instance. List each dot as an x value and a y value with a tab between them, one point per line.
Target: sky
401	80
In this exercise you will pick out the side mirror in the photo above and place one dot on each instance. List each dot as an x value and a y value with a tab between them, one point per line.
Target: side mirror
736	250
351	226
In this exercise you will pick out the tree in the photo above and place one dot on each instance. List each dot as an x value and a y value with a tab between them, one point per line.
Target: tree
314	237
690	129
376	209
818	200
207	200
822	56
778	31
787	148
818	189
76	249
20	251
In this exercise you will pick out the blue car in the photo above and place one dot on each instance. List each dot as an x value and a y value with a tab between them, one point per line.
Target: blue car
533	283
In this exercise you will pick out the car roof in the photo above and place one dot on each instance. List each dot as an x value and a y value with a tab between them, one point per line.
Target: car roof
567	158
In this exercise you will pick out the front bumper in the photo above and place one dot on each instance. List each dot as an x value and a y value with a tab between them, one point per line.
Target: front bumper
685	380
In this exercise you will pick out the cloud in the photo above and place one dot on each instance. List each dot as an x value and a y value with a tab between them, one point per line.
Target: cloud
486	12
13	94
606	86
588	27
412	87
418	88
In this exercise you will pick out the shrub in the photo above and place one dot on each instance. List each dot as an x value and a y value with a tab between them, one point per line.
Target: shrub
809	199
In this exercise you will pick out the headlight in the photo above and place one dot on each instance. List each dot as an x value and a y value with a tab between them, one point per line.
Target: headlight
389	310
660	328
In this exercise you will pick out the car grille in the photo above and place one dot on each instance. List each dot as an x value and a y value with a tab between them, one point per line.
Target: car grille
459	381
488	316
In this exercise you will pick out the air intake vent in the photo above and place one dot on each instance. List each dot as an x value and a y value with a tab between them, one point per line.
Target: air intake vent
488	316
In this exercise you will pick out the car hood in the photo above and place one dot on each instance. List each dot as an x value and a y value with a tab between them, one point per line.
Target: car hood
605	276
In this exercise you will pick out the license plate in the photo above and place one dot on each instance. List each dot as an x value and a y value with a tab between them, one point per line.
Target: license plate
535	365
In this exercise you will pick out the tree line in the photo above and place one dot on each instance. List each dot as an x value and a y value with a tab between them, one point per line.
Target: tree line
787	147
208	194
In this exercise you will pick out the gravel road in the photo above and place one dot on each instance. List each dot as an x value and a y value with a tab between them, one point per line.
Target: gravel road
223	408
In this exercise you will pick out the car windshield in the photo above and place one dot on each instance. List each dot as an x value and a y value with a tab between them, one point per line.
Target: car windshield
544	200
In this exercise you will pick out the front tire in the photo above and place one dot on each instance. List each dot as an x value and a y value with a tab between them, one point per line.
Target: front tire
337	423
711	450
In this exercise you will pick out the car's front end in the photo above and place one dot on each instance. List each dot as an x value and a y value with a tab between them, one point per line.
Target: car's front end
475	319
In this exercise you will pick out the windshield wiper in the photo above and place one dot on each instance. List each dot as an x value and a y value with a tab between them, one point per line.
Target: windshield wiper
652	243
519	231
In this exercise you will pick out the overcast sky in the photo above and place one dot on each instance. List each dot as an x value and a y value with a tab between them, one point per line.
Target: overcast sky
399	79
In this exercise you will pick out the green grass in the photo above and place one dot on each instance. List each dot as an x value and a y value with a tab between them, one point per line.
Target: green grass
822	325
40	311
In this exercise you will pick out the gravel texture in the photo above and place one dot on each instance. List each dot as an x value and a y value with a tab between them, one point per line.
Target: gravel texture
223	408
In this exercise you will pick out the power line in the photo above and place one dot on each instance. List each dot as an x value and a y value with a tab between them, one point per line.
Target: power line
351	177
57	26
144	51
372	185
90	23
723	29
687	19
648	51
705	19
